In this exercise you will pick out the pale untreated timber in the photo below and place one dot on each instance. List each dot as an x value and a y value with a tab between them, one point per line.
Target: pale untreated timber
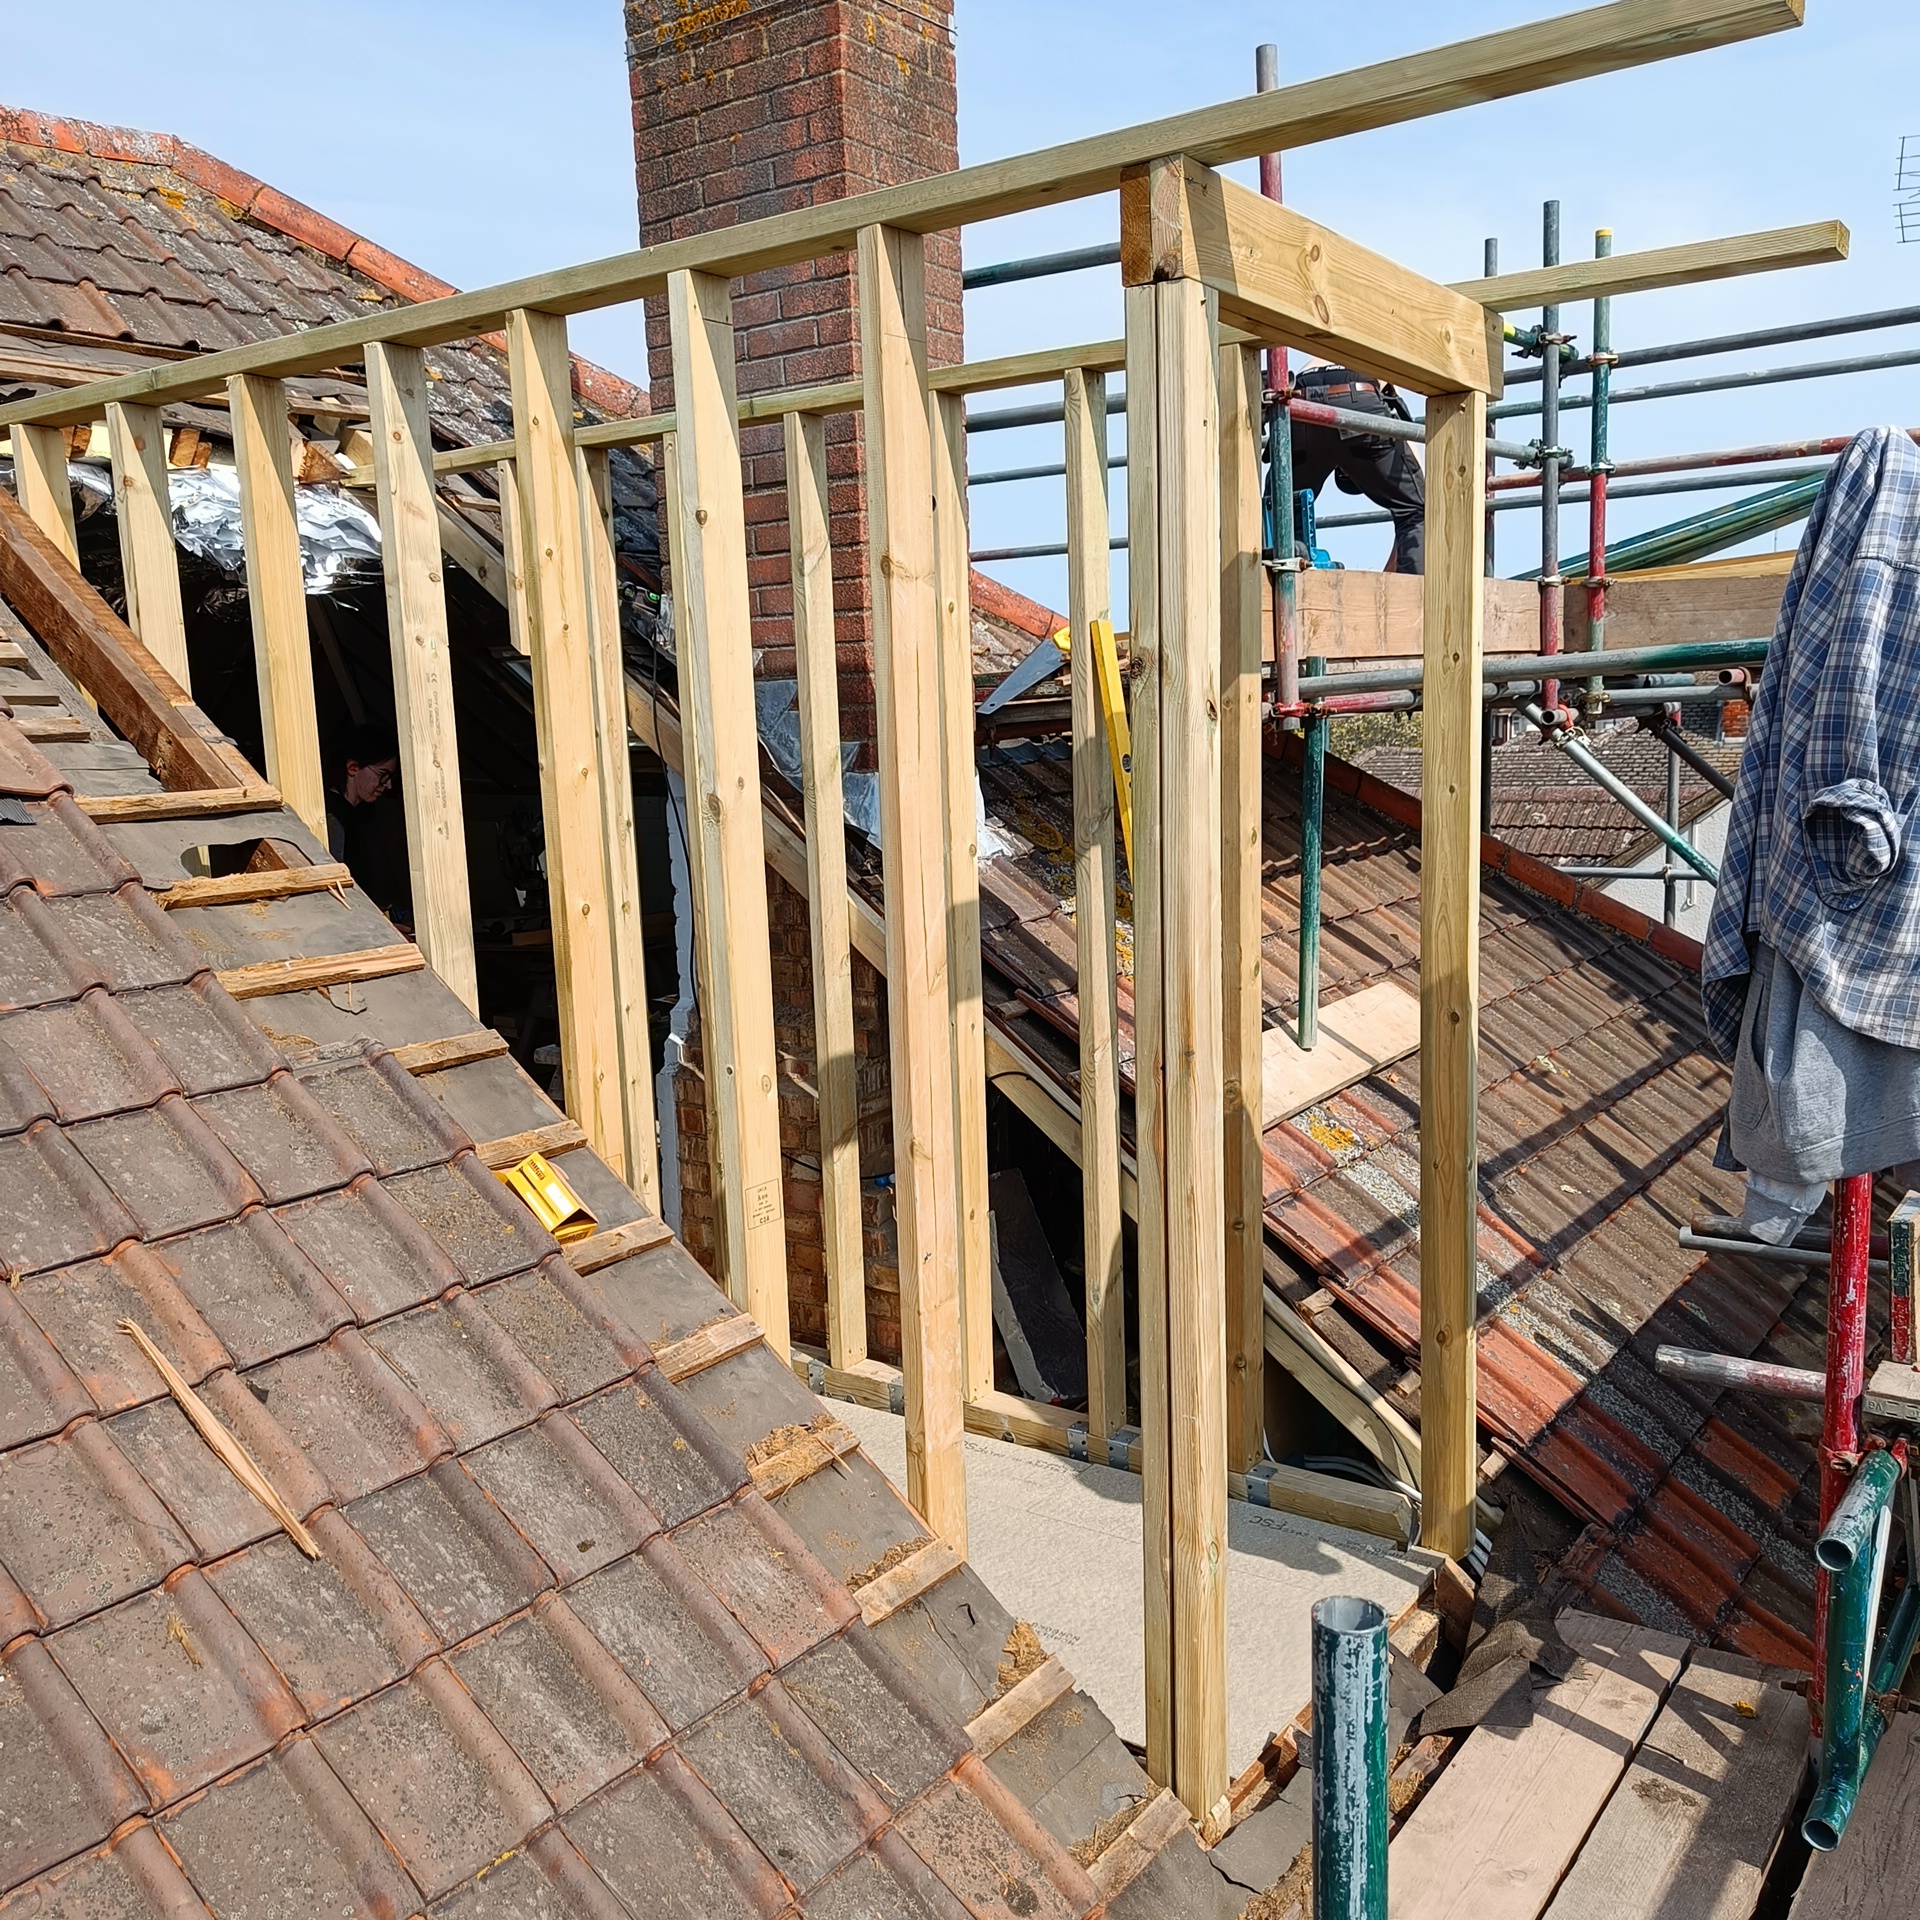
1817	243
1134	1849
554	567
1241	761
631	1027
410	556
513	547
320	970
954	619
277	595
458	1050
1494	66
829	940
186	803
1359	1035
886	1593
1282	277
1450	967
1090	598
707	1346
1024	369
914	829
707	530
472	553
1690	1831
822	1445
557	1137
236	889
1023	1703
617	1243
1498	1828
46	494
137	444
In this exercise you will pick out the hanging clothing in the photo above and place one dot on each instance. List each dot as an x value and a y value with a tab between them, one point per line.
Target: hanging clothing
1812	1101
1820	864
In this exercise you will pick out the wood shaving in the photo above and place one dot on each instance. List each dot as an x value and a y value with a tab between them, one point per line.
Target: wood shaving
1023	1654
1291	1894
1109	1830
895	1555
177	1632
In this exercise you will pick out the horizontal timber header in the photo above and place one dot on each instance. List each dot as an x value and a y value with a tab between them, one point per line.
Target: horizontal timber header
1494	66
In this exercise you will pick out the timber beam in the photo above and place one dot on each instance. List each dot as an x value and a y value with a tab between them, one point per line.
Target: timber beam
1496	66
1280	277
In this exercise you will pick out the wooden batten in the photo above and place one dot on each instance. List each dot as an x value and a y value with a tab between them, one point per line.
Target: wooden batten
458	1050
277	595
828	935
1241	633
622	850
947	425
914	834
182	803
563	707
556	1137
707	533
320	971
617	1243
240	889
1090	598
411	562
137	443
1450	968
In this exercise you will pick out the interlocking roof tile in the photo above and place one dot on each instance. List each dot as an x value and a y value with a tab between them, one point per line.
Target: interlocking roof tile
87	1055
562	1494
472	1217
180	1688
571	1347
79	1528
38	1392
458	1557
54	852
373	1251
471	1376
258	1292
440	1782
570	1713
380	1107
645	1430
62	1786
283	1137
166	1166
207	1043
757	1565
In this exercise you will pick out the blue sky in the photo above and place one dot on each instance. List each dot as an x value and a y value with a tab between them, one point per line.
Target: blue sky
484	140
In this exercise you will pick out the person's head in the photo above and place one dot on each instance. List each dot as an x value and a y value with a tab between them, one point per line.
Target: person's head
368	764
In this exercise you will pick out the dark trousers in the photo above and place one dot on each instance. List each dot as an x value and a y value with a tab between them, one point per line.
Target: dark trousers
1384	470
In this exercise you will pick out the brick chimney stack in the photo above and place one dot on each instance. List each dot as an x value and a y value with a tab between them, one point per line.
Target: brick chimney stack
744	109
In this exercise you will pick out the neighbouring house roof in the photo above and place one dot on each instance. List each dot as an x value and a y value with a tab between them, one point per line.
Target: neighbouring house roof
1544	805
1600	1102
586	1633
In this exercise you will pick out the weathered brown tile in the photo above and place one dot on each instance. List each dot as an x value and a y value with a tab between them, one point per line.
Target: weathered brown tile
473	1379
208	1044
87	1055
650	1436
53	1206
377	1103
285	1139
376	1255
484	1230
756	1564
38	1392
254	1287
572	1349
560	1492
166	1168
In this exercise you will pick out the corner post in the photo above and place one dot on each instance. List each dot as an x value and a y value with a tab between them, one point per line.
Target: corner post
137	443
412	565
722	747
553	567
1240	769
810	555
277	595
1090	598
914	835
1450	966
1173	408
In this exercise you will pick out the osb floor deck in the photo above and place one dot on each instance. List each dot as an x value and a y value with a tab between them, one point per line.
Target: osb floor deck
1059	1542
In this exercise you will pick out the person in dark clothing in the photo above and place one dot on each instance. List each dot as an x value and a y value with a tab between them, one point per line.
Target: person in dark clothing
366	826
1371	464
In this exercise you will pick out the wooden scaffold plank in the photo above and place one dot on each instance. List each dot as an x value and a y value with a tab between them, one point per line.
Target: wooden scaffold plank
1090	598
1240	925
554	568
828	934
948	430
914	828
422	663
707	525
1450	967
142	502
277	595
622	850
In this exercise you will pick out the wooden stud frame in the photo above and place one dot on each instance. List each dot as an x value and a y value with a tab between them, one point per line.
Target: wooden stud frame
40	478
137	444
553	567
914	833
707	531
632	1032
954	612
277	595
1090	598
422	664
816	671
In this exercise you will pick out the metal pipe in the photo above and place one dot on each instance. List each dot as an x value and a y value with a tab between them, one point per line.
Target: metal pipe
1558	736
1524	497
1670	893
1040	265
1313	800
1266	78
1741	342
1787	1256
1489	266
1282	560
1848	1536
1039	415
1693	462
1551	603
1833	1804
1729	1370
1681	656
1840	1428
1667	729
1700	534
1599	465
1722	382
1349	1760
